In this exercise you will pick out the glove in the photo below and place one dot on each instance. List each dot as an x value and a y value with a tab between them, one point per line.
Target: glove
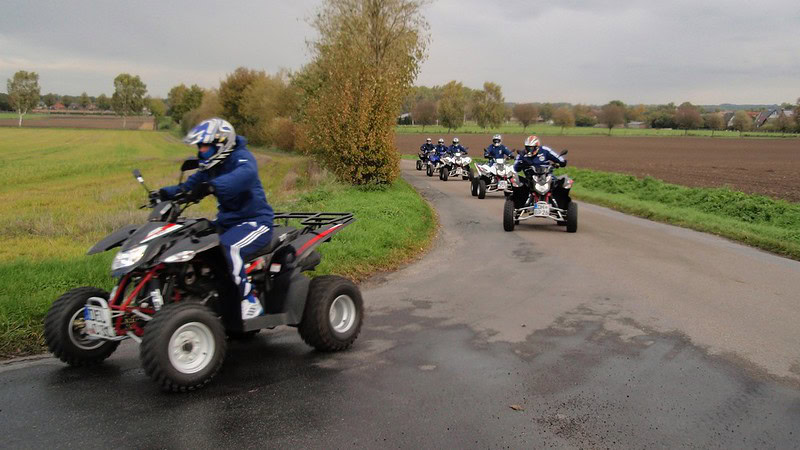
155	196
199	192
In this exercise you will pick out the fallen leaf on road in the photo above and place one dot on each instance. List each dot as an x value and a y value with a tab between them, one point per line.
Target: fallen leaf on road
517	407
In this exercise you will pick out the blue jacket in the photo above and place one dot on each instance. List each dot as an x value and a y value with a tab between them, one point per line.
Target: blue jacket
457	148
426	148
542	157
496	151
441	149
240	195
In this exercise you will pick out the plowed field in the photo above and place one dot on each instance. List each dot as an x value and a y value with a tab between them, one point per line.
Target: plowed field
757	166
76	121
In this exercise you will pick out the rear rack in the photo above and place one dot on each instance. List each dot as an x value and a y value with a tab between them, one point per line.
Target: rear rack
315	220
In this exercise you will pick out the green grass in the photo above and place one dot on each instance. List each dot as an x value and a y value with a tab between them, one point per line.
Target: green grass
763	222
552	130
13	115
63	190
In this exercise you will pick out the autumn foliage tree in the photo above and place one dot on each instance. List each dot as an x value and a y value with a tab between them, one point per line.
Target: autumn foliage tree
366	55
526	113
452	106
715	122
563	117
489	107
742	121
688	117
424	113
612	114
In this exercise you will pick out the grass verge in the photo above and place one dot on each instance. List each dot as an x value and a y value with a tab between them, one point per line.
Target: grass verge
68	188
759	221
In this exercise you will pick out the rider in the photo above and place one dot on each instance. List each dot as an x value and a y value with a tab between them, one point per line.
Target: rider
229	172
496	150
426	148
537	155
456	147
441	149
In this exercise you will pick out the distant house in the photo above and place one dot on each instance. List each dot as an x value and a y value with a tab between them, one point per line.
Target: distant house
727	118
771	114
636	124
58	107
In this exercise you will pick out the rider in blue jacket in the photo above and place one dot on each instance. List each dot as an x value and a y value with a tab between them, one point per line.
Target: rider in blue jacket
229	172
496	150
426	148
537	155
456	147
441	149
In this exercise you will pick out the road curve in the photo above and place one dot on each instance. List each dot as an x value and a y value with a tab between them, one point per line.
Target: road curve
628	333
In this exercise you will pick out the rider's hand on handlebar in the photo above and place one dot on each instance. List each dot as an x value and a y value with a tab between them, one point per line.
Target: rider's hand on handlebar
200	191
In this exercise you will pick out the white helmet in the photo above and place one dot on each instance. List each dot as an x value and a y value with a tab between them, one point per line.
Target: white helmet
496	139
217	133
428	141
532	143
441	140
455	141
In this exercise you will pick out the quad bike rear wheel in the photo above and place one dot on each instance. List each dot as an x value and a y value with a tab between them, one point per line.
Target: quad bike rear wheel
333	314
419	164
429	171
481	188
572	217
508	215
474	187
64	329
183	347
445	172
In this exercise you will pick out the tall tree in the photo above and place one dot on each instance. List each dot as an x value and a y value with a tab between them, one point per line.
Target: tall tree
232	93
50	99
742	121
157	108
563	117
181	99
783	123
584	117
489	105
688	117
546	111
23	92
103	102
612	114
526	113
5	104
715	122
84	100
452	106
424	113
367	55
128	98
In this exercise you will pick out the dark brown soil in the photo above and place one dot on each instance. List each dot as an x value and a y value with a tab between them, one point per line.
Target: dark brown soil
103	122
757	166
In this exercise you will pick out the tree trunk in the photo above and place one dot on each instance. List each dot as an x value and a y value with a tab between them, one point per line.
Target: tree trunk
20	120
124	121
712	132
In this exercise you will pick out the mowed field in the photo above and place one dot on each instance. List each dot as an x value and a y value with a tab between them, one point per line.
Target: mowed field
77	121
757	166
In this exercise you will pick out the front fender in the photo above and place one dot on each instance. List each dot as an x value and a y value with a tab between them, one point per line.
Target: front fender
114	239
193	244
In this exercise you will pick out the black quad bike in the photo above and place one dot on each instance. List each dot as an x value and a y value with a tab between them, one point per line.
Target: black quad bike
540	194
422	160
176	297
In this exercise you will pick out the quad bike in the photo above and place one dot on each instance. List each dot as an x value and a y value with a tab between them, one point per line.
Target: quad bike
176	296
541	195
434	163
454	165
422	160
494	178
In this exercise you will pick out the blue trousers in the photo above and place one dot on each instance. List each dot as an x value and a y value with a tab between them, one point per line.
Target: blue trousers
239	242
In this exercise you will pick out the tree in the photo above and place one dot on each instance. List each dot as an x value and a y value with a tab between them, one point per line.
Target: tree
50	99
715	122
742	121
23	92
489	105
128	97
267	98
210	107
103	102
612	115
366	56
563	117
797	113
783	123
687	116
584	117
181	99
546	111
452	106
84	100
231	95
424	113
635	113
157	108
526	113
5	104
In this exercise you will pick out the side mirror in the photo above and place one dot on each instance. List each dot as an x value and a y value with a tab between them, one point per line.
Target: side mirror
138	175
190	164
564	152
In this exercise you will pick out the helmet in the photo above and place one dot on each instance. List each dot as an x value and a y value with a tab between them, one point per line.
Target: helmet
217	133
532	144
428	141
496	139
441	140
455	140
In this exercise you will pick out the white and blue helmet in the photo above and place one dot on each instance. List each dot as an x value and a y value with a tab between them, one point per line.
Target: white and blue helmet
216	132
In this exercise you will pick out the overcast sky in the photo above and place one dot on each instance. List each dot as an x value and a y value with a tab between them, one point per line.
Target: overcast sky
703	51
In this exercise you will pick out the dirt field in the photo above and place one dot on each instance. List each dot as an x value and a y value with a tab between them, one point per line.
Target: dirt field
761	166
105	122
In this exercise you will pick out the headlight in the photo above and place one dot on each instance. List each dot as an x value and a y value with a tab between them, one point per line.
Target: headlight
128	258
180	257
541	188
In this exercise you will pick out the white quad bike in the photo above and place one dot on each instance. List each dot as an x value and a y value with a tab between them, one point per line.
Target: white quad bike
454	165
494	178
541	195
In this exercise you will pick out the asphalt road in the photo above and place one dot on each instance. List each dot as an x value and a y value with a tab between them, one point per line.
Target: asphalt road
626	334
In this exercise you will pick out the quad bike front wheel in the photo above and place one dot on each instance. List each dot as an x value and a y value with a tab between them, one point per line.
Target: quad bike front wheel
64	329
508	215
444	173
474	187
183	347
333	314
481	188
468	176
429	171
419	164
572	217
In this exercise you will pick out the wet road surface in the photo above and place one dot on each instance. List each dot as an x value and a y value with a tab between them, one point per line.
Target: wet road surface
626	334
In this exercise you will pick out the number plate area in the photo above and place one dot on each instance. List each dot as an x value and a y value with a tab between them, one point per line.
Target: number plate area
97	319
502	184
541	209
